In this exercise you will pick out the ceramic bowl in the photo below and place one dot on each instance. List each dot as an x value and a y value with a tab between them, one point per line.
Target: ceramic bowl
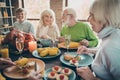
46	42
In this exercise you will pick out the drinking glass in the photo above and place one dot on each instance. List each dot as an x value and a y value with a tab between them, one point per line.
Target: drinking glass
19	45
4	51
67	41
53	37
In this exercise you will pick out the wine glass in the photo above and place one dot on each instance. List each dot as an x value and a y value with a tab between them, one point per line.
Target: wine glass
67	41
19	45
53	37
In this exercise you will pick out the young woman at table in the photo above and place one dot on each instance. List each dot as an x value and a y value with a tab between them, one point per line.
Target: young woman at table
47	25
21	23
105	20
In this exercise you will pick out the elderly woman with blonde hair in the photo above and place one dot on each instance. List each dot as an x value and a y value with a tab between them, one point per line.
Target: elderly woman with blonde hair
47	25
105	20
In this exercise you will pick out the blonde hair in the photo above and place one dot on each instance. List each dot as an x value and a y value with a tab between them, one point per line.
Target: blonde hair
71	11
107	12
45	12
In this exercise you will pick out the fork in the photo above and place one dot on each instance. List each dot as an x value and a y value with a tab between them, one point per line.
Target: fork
76	66
18	66
76	55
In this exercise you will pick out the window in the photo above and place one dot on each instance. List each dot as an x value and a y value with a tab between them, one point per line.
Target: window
34	9
81	7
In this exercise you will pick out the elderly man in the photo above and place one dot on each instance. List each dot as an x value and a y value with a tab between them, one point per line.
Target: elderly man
80	32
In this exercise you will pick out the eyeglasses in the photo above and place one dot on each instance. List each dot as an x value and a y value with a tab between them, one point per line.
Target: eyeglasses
91	16
66	14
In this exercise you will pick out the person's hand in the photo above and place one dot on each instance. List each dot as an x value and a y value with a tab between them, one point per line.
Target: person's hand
82	49
5	62
44	36
35	76
85	73
84	42
61	39
85	50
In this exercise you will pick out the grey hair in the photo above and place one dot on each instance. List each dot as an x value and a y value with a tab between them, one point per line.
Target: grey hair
48	11
71	11
107	12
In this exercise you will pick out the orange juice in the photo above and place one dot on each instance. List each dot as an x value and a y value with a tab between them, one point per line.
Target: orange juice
1	77
32	45
1	38
4	52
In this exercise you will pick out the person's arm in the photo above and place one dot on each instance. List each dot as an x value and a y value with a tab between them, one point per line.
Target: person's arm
38	32
111	60
32	30
93	41
5	62
57	30
86	73
85	50
61	38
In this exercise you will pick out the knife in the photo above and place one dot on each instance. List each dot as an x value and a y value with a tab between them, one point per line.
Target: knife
35	66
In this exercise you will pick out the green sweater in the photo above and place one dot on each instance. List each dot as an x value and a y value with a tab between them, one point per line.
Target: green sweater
79	32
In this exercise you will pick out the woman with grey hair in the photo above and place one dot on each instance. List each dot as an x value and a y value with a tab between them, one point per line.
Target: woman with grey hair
105	20
47	25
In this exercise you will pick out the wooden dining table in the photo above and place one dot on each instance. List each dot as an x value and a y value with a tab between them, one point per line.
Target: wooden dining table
49	63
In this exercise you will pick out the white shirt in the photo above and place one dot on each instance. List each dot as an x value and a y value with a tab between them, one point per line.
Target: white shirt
47	30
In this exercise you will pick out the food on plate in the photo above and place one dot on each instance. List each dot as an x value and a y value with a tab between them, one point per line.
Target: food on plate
24	70
47	51
77	57
23	66
56	68
44	53
59	73
74	45
67	71
53	51
68	57
71	45
40	50
62	77
74	62
72	59
52	75
22	62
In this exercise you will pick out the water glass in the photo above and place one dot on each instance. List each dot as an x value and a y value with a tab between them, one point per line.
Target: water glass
19	44
67	41
53	37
